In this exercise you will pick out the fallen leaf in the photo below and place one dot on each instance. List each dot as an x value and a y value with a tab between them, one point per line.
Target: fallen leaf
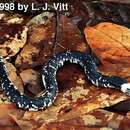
14	77
110	42
32	81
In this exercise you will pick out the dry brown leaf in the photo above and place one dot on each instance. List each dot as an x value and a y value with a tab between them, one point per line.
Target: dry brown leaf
32	79
14	77
69	37
110	42
6	121
23	124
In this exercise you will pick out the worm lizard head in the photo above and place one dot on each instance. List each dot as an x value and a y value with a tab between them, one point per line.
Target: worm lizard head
126	88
